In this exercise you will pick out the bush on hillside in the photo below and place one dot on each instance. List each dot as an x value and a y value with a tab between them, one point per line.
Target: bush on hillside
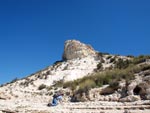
42	86
86	86
14	80
122	64
140	59
99	66
112	60
108	57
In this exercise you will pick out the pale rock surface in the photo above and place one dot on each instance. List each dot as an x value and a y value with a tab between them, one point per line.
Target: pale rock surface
75	49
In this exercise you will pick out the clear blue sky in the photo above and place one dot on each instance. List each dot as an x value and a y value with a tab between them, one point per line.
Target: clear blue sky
32	32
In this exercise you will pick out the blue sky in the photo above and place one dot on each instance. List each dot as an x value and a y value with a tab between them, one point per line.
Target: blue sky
32	32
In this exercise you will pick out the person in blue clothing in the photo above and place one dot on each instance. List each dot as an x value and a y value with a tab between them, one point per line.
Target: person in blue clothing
56	98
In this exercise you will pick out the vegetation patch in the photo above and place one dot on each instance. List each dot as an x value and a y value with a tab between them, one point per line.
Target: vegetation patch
109	77
42	86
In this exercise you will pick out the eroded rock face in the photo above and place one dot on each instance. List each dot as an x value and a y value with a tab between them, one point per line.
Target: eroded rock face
75	49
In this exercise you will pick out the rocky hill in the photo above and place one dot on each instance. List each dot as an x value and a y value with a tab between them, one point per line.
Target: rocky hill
85	76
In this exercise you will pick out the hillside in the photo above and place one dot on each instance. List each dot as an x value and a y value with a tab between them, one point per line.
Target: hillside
87	77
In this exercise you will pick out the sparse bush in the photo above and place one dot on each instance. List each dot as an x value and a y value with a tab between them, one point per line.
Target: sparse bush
58	62
108	57
72	84
145	67
14	80
86	86
130	56
136	68
102	60
55	88
114	84
42	86
1	85
49	88
66	67
122	64
99	54
49	93
140	59
58	83
99	66
105	53
68	93
112	60
48	72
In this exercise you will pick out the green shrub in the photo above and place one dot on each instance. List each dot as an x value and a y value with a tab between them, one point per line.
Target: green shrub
99	66
99	54
71	84
138	68
86	86
108	57
145	67
58	83
114	84
140	59
14	80
122	64
112	60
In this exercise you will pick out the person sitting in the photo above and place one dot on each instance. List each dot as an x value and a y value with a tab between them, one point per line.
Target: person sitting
56	98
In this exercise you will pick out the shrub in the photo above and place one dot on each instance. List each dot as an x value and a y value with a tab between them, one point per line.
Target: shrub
112	60
49	88
42	86
145	67
1	85
14	80
105	53
70	84
130	56
99	66
108	57
99	54
86	86
58	62
136	68
122	64
140	59
55	88
58	83
114	84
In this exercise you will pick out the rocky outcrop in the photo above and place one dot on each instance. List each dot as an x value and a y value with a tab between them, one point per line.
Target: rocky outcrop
75	49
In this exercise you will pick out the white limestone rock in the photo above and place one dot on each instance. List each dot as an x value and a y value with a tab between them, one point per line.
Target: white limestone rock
75	49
